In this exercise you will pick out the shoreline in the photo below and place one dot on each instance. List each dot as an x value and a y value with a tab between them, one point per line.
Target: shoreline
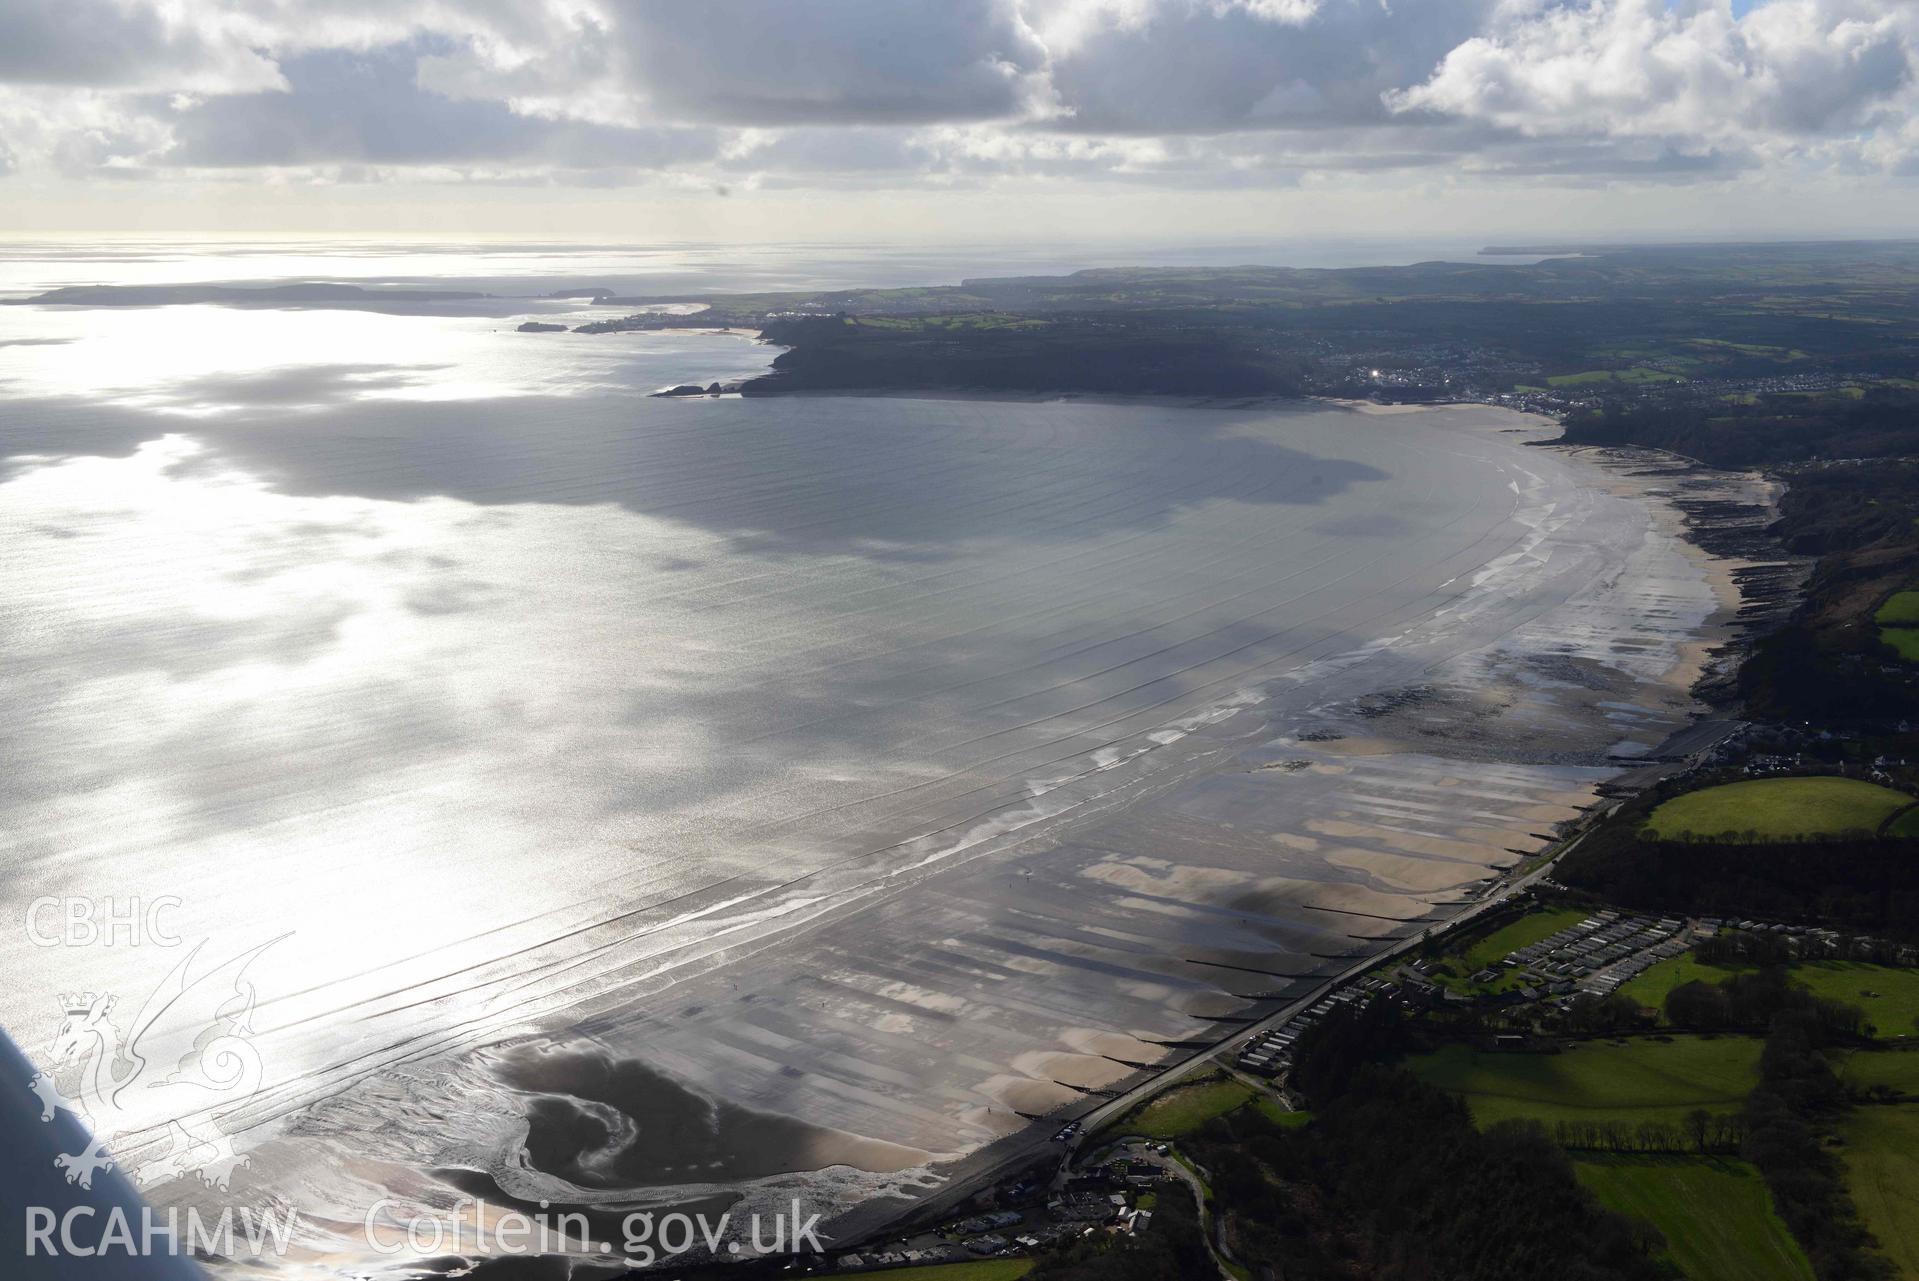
1627	476
1756	581
1259	901
1171	400
1428	870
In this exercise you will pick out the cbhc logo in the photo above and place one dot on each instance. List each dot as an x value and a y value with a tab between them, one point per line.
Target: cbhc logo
85	922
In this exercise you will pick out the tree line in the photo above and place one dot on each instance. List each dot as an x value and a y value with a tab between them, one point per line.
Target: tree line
1797	1102
1393	1181
1860	886
1754	999
1700	1133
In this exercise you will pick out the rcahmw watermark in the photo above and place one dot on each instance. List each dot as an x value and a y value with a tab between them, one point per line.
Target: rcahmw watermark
644	1237
85	1232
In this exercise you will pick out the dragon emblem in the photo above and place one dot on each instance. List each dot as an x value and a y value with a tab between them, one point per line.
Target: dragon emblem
192	1039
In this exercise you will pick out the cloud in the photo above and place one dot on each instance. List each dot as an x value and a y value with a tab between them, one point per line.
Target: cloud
1190	66
124	45
848	63
77	131
830	61
1642	68
743	94
367	108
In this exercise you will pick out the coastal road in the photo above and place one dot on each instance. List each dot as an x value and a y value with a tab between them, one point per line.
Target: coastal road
1006	1159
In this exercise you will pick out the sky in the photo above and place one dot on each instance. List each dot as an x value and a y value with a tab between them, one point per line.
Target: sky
853	120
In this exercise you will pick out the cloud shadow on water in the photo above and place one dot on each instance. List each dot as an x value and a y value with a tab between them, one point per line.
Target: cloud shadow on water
294	386
877	477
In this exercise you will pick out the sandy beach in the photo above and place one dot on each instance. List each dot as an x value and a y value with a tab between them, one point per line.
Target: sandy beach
896	770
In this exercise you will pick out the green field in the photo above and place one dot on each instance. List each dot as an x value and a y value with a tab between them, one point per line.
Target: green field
1882	1171
1906	825
1903	639
1185	1108
1898	621
1845	391
977	1270
1653	986
1465	960
1637	1080
1900	611
984	321
1637	374
1715	1214
1779	808
1514	935
1896	1069
1888	997
1748	348
1281	1116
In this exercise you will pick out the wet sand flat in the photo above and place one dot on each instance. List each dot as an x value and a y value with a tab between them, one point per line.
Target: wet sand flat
895	767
